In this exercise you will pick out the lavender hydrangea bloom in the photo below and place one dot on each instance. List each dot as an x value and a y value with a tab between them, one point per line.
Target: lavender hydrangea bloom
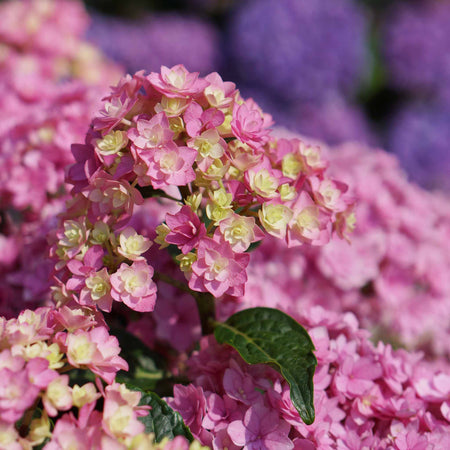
163	39
299	49
420	135
417	45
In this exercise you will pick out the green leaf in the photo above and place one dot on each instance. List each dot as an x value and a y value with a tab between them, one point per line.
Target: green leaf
162	419
269	336
146	368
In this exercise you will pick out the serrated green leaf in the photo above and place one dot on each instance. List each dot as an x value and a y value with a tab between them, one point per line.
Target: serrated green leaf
269	336
162	420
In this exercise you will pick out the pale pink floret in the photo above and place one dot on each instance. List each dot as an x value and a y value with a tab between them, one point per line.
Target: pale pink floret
210	146
39	373
10	437
329	194
177	82
29	327
58	396
218	269
75	318
97	291
185	229
264	181
250	124
240	232
96	350
133	285
219	93
355	376
17	394
111	197
67	434
171	165
133	245
121	412
310	224
151	133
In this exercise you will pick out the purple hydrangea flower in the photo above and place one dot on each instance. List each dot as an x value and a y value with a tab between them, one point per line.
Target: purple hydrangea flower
417	45
420	135
163	39
333	121
299	49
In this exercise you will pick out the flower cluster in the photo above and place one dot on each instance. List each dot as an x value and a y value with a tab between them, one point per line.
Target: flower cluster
392	276
39	351
416	37
299	50
34	151
42	42
47	102
198	142
365	395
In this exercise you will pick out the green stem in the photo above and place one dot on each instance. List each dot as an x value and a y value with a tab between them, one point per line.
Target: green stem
205	302
207	310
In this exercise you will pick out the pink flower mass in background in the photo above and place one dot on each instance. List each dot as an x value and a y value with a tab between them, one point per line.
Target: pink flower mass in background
128	200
